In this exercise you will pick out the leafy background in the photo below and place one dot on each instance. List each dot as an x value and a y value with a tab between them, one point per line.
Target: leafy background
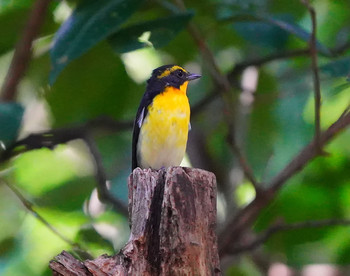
92	59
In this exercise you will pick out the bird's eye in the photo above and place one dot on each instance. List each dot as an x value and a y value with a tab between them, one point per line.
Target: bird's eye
180	74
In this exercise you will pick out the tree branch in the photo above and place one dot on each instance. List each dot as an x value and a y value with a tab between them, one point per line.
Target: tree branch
219	78
239	67
316	78
224	87
262	238
23	51
244	218
260	61
103	193
248	172
53	137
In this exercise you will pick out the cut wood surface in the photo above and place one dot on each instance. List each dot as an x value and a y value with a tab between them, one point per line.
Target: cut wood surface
173	221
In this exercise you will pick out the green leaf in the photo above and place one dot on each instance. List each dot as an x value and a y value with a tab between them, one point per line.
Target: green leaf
68	197
6	246
6	5
162	31
96	243
262	34
289	27
337	68
11	24
91	22
10	120
320	192
94	85
288	132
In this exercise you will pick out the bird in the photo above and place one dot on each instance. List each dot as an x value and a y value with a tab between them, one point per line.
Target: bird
162	120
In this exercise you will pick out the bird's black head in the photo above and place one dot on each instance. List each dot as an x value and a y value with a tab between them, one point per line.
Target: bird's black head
170	75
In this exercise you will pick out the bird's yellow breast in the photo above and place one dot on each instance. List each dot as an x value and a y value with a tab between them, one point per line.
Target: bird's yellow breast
163	134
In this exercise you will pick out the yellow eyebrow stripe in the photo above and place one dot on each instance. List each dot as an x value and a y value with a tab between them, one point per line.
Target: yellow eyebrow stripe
168	71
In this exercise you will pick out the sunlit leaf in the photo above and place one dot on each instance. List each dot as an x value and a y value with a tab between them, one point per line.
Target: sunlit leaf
162	31
53	167
91	22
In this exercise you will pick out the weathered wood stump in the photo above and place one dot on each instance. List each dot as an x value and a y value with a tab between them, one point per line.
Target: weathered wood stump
173	220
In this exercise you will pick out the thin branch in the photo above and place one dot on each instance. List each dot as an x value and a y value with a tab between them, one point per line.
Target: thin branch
30	207
316	78
219	78
239	67
53	137
262	238
248	172
260	61
244	218
223	85
23	51
237	70
103	193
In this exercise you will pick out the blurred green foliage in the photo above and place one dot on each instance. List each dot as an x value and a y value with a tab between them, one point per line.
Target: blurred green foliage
88	62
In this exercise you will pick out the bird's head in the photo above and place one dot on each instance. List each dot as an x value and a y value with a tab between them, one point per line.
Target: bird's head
171	75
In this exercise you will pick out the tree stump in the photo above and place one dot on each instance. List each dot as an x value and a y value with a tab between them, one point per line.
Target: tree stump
173	221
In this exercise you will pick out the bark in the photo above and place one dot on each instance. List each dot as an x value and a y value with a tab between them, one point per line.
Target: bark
173	221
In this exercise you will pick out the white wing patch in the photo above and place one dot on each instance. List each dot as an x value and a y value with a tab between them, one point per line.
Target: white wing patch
189	126
140	118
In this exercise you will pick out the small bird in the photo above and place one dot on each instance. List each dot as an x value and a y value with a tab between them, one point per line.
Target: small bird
162	120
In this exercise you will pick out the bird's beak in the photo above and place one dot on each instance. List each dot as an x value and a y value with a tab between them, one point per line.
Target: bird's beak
191	76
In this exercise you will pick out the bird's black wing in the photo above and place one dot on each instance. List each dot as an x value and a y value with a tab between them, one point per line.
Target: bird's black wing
152	90
140	116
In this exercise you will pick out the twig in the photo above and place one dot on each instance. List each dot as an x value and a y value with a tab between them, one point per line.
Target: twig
50	139
239	67
244	218
29	206
237	70
23	50
316	78
103	193
208	56
248	172
262	238
223	85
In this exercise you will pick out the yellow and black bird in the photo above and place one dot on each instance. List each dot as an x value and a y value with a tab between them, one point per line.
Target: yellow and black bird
163	119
